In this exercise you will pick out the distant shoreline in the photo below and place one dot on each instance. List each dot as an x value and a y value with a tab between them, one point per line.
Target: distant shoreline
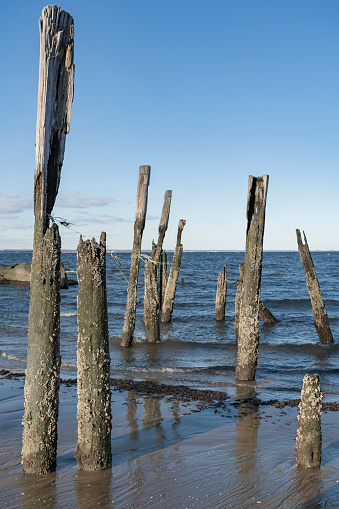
186	250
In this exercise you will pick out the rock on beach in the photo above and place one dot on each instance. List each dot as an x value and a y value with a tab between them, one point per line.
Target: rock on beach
20	273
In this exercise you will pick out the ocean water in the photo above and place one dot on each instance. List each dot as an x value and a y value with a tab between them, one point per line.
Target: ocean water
195	349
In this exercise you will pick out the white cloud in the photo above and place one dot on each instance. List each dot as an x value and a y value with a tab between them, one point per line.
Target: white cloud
102	219
81	201
151	217
14	203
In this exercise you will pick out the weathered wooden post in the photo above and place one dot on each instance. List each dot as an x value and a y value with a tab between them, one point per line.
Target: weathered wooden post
239	283
248	331
55	96
151	303
266	314
93	451
151	299
309	440
167	306
321	322
220	301
163	277
139	225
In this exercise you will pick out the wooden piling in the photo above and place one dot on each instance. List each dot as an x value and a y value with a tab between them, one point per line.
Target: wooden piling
163	225
167	306
93	451
266	314
151	303
309	439
163	277
321	322
139	225
55	96
220	301
151	299
248	331
239	283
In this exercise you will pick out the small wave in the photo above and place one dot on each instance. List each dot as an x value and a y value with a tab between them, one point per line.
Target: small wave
68	366
12	357
68	314
139	369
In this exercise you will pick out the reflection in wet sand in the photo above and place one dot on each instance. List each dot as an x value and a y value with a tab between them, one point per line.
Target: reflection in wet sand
93	489
245	447
38	491
131	417
167	453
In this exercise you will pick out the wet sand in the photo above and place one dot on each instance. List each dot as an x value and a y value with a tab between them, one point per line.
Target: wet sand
174	452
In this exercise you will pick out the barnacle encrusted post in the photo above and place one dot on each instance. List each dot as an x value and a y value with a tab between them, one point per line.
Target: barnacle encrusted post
309	441
248	329
151	303
220	300
151	298
55	96
139	225
167	305
163	277
93	451
266	314
321	322
239	284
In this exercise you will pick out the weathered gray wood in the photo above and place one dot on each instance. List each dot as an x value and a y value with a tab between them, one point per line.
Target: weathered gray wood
151	303
167	306
55	95
309	439
93	451
139	224
43	358
163	277
152	299
163	226
248	331
239	283
266	314
321	322
220	300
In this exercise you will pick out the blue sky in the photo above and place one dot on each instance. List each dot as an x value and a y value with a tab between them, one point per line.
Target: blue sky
207	92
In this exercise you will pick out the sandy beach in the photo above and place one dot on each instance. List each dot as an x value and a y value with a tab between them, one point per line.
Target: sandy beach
171	453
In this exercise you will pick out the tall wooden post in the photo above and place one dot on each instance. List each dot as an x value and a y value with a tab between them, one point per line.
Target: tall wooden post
220	301
239	283
151	303
163	277
163	225
167	306
309	440
248	332
321	322
93	451
151	299
55	96
266	314
139	225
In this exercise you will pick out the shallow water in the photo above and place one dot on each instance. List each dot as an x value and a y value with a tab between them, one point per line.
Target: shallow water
194	348
165	454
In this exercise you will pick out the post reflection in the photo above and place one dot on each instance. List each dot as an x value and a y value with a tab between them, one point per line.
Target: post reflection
93	489
38	491
247	433
131	414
